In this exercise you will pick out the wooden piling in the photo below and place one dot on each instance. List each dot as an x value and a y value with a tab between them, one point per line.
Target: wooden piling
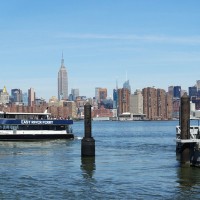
88	142
185	127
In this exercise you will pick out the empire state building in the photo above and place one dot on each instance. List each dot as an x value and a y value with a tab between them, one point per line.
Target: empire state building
62	82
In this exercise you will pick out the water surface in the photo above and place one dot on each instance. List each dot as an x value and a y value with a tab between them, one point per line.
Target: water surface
134	160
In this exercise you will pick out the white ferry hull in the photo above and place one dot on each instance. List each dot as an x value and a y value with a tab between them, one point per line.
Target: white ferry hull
19	129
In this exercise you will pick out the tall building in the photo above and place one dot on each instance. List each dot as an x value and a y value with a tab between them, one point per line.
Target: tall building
136	103
177	92
150	102
16	95
198	88
4	96
161	104
115	98
169	106
100	94
31	97
25	99
123	100
75	93
62	82
171	90
127	85
192	91
157	104
198	85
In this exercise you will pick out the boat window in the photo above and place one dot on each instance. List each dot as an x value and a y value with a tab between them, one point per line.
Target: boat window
41	127
7	127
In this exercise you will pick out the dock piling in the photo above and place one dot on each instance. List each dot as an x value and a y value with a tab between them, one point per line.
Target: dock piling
88	142
185	127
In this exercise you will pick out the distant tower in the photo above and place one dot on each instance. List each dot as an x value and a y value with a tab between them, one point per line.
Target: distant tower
4	96
198	85
127	85
31	97
115	96
177	92
75	93
62	82
16	95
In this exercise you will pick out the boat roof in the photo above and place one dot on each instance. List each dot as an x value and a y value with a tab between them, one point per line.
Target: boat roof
23	113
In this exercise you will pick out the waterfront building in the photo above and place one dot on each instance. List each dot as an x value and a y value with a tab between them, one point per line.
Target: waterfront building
4	96
169	107
102	112
157	103
123	100
150	102
136	103
31	97
161	104
62	82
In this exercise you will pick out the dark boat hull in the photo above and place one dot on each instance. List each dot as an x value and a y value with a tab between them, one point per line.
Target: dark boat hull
29	137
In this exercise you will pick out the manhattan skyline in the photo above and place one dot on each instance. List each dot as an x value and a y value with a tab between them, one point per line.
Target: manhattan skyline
156	43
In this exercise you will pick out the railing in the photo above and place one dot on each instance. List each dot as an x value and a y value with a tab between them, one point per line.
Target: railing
194	132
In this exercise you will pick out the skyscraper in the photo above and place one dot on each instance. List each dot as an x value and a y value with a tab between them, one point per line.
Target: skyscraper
75	93
16	95
62	82
123	100
31	97
157	104
127	85
177	92
136	103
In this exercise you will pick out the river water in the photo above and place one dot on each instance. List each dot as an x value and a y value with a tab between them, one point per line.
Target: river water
134	160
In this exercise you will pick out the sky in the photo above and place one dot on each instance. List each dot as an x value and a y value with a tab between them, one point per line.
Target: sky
104	43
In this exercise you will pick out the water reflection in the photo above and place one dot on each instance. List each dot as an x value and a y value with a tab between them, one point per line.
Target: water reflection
88	166
189	181
188	176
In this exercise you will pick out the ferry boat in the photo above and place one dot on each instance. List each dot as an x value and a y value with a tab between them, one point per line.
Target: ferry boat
16	126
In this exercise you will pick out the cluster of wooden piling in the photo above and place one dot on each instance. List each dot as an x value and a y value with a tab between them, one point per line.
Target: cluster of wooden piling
189	150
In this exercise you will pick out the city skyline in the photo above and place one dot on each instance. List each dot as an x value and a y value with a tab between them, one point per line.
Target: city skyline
156	44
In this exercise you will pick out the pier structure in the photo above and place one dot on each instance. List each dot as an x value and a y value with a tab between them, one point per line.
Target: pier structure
88	142
187	136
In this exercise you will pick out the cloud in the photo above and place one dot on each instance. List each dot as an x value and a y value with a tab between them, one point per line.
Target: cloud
190	40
